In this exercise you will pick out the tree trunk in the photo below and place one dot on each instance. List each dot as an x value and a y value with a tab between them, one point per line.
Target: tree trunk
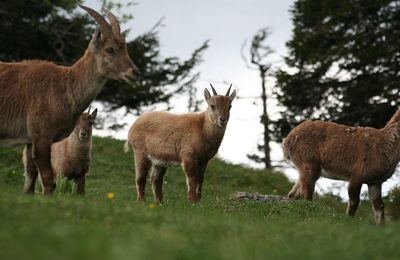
265	118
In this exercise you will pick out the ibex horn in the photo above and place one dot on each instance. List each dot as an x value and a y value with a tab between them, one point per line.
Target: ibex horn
105	28
229	90
213	90
114	23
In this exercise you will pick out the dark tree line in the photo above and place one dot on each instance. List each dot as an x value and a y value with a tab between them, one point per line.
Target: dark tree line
344	63
41	30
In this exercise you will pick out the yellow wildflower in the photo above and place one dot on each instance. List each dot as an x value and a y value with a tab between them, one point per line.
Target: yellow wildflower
110	195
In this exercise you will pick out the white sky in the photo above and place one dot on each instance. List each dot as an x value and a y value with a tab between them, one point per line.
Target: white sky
227	23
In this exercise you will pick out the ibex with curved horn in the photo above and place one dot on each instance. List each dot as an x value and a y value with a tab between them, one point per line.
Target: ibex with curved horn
40	102
161	139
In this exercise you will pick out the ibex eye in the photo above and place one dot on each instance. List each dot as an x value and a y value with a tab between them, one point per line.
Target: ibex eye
212	107
110	50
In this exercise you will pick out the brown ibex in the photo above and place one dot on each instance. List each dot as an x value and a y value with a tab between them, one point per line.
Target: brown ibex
355	154
161	139
40	102
71	156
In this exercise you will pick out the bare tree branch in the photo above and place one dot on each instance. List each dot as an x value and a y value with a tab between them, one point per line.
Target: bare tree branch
259	57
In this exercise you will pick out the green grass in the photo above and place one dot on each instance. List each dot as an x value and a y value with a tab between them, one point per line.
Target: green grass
66	226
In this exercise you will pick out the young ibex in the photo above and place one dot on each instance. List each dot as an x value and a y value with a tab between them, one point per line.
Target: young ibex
161	139
40	102
355	154
71	156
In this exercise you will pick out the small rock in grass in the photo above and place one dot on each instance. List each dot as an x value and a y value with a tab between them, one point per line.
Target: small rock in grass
258	197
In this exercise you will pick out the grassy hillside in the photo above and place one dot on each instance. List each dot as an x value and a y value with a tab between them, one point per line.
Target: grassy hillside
69	227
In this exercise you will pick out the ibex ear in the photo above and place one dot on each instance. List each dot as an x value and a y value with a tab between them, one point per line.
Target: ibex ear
96	38
124	33
94	113
207	95
233	95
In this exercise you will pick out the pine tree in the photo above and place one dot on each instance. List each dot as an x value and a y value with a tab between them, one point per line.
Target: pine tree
344	63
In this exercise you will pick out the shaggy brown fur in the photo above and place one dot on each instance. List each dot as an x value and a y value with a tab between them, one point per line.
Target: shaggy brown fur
71	157
40	102
355	154
161	139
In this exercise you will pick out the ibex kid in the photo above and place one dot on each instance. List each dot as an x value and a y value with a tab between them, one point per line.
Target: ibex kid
71	156
162	139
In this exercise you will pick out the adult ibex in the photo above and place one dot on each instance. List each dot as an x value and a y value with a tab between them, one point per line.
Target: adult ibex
40	102
354	154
